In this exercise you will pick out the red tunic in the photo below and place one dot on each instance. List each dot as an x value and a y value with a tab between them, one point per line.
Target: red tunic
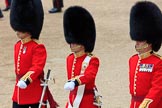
88	79
29	59
145	75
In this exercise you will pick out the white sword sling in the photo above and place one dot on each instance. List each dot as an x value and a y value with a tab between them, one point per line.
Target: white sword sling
80	91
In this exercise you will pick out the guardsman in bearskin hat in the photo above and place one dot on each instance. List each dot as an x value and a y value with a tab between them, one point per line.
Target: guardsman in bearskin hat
26	19
145	68
82	65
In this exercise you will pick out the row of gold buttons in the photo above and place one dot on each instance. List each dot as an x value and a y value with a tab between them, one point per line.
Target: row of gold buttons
135	76
18	60
73	67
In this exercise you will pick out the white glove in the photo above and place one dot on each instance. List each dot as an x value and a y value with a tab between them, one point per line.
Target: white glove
69	86
21	84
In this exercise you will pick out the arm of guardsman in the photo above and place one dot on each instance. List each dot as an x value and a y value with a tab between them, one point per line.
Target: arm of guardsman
89	74
39	56
154	95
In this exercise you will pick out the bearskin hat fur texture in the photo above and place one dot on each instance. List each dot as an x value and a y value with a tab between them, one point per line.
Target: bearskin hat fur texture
79	27
27	16
146	23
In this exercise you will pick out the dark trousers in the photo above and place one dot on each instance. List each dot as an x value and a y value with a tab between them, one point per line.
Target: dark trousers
15	105
58	3
1	14
9	1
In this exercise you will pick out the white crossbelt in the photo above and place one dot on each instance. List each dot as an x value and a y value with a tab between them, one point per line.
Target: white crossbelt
81	88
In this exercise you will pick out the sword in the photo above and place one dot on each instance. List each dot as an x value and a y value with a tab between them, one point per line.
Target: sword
97	97
45	84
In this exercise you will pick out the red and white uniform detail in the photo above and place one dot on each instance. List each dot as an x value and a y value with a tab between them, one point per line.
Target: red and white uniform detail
145	75
74	66
29	59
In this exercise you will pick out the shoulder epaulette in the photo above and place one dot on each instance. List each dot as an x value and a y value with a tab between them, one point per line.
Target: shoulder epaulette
18	41
37	41
71	54
157	55
90	55
134	55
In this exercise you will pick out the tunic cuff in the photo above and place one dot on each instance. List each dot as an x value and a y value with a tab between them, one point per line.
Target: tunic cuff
146	102
27	77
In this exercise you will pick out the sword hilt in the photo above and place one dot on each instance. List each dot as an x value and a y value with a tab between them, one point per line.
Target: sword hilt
48	73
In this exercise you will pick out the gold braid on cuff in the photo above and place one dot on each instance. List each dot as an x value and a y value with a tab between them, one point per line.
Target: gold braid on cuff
146	102
27	76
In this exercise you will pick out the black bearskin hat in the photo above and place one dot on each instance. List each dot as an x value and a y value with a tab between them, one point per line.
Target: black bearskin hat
146	23
79	27
27	16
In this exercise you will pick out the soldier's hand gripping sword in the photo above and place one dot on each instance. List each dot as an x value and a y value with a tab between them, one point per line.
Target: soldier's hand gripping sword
45	84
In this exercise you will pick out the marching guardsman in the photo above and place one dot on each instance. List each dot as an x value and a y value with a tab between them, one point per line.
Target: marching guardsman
57	6
26	18
145	68
82	65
